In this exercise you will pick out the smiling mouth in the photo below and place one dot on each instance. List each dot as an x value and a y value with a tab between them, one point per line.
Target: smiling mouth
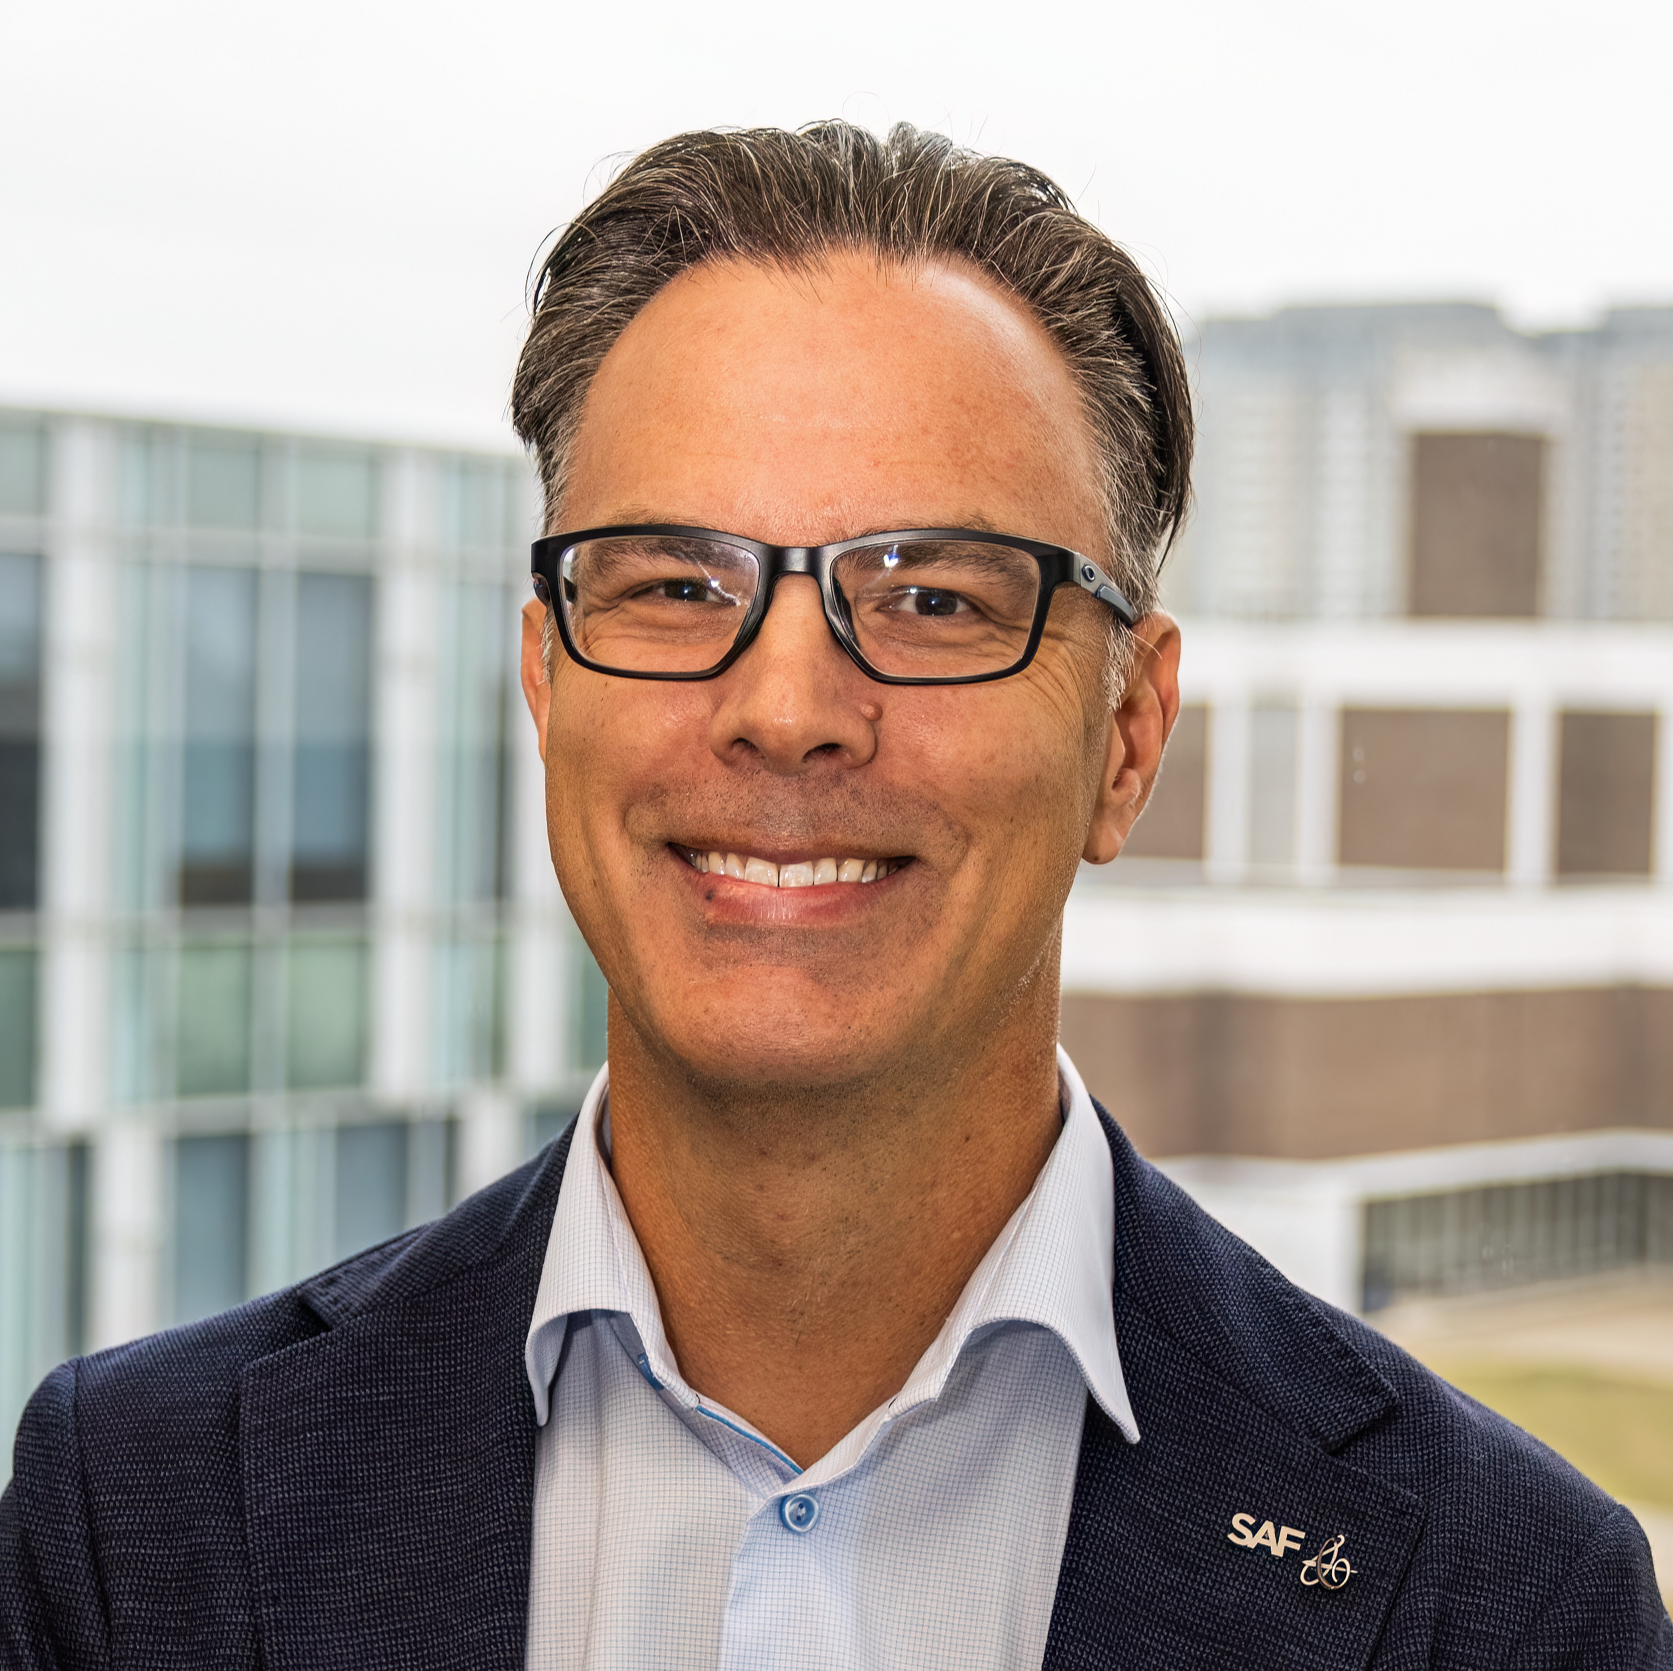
808	873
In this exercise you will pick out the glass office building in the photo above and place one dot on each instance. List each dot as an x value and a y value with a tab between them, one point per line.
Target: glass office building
283	967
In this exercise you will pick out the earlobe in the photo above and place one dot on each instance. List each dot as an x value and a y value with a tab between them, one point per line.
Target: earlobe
537	688
1138	732
1119	804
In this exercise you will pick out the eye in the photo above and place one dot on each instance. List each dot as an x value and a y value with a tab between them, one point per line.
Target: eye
684	591
927	600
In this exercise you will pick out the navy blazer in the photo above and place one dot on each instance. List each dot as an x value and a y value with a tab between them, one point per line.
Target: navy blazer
341	1475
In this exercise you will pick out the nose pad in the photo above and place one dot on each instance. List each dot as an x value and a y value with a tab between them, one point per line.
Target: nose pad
773	597
838	616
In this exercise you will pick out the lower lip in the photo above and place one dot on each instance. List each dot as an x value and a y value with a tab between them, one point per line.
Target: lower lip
730	899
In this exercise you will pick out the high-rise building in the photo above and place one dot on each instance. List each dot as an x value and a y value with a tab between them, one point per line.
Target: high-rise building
283	966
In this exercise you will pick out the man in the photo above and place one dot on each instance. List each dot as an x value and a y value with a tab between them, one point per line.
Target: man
842	1329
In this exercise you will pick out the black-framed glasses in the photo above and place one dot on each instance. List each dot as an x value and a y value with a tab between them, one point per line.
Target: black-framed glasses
921	606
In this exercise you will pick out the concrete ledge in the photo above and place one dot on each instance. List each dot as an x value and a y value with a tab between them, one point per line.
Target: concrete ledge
1307	1217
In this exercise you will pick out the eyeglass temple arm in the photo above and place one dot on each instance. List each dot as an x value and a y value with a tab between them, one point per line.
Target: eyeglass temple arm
1090	578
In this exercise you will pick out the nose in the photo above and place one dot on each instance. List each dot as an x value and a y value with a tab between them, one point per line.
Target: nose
793	701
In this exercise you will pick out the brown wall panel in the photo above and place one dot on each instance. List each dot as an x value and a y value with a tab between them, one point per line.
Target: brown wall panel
1475	524
1424	789
1311	1078
1171	826
1606	798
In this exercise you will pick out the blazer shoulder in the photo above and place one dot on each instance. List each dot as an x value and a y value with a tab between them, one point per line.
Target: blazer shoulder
1327	1372
1218	1300
53	1608
506	1219
1501	1495
1506	1521
147	1405
128	1492
1524	1561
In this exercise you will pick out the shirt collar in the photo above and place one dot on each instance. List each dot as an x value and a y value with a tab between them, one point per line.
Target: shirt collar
1053	1265
593	1261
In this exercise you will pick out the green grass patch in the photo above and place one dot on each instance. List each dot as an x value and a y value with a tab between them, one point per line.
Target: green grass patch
1617	1432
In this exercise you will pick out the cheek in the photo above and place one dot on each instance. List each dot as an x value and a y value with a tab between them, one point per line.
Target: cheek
608	739
1007	768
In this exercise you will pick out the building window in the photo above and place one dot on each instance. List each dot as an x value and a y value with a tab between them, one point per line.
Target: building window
333	737
371	1185
336	494
20	731
1468	1240
1274	770
1424	789
217	835
477	662
212	1048
390	1175
546	1121
1606	795
325	1014
1475	524
469	1031
17	1026
476	505
1172	824
211	1224
432	1168
43	1266
223	481
23	456
592	1011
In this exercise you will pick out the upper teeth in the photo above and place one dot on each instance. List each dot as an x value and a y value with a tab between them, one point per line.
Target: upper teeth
809	873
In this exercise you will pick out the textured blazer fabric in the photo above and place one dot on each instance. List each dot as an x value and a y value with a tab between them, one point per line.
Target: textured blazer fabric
341	1476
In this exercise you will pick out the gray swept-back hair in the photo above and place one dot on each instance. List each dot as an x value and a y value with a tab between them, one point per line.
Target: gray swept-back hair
788	199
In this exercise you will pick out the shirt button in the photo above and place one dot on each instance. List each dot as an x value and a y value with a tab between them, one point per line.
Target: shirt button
799	1512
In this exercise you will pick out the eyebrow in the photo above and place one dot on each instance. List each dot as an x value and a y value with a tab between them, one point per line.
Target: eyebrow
628	516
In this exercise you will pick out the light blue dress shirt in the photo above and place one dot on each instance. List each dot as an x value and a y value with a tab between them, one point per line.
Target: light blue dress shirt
670	1535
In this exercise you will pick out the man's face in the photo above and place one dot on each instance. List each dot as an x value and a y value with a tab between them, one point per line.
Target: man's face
801	410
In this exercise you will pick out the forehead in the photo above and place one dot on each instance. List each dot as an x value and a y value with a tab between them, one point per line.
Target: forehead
801	406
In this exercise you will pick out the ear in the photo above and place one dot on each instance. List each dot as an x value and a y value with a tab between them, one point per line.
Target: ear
537	688
1138	731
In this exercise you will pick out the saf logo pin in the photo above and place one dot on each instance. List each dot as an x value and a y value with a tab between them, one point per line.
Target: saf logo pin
1329	1568
1276	1540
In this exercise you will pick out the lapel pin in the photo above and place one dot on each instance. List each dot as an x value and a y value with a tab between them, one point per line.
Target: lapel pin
1329	1568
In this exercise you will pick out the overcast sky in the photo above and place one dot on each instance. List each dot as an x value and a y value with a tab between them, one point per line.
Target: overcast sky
323	212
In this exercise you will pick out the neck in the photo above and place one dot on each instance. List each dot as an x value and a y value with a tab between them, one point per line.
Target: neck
808	1244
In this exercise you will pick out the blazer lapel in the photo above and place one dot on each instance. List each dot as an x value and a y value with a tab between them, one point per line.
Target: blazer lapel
1242	1391
389	1462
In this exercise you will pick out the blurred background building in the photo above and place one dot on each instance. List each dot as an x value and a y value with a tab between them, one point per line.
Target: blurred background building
283	967
1386	975
1385	978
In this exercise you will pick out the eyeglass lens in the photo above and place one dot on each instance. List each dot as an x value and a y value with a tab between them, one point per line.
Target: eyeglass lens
926	609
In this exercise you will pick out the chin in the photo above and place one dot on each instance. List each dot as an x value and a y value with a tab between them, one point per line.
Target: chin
767	1057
